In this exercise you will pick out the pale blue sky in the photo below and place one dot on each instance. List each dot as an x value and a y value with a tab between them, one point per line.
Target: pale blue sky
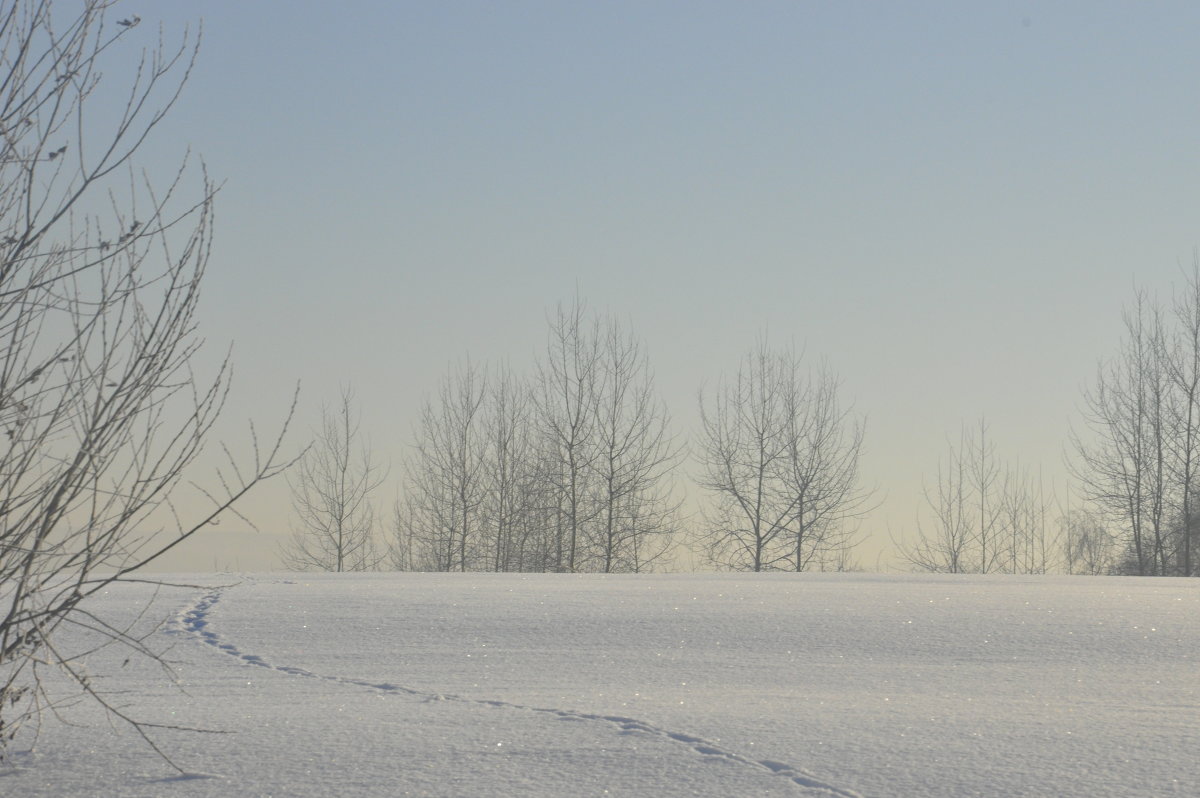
950	201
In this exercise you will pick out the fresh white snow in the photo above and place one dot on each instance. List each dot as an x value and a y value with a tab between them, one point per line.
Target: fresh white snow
708	684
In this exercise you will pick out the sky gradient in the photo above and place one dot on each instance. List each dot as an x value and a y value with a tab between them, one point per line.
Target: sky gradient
950	202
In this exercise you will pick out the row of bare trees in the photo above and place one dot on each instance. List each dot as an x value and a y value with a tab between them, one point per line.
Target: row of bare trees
1137	459
569	470
1134	463
574	468
985	515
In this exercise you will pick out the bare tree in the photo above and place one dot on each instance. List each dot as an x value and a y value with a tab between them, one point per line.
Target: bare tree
946	546
331	496
446	476
422	520
507	471
542	526
1088	546
1123	466
822	474
404	548
102	413
1137	457
1183	362
634	455
408	549
781	458
987	482
988	516
743	445
565	401
1032	543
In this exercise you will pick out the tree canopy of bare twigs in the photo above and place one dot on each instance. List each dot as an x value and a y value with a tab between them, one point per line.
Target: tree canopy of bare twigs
780	455
101	413
331	487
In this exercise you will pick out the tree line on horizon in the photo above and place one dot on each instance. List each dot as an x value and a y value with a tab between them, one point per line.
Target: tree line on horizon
574	468
1133	458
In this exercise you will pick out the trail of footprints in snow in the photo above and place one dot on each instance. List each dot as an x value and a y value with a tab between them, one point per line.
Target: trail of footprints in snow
195	620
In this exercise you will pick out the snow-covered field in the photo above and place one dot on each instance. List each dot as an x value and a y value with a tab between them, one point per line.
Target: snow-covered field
716	685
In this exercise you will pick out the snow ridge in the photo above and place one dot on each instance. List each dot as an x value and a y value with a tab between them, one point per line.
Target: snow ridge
194	620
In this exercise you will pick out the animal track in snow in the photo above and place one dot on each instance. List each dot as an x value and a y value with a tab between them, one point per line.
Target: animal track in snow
194	620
